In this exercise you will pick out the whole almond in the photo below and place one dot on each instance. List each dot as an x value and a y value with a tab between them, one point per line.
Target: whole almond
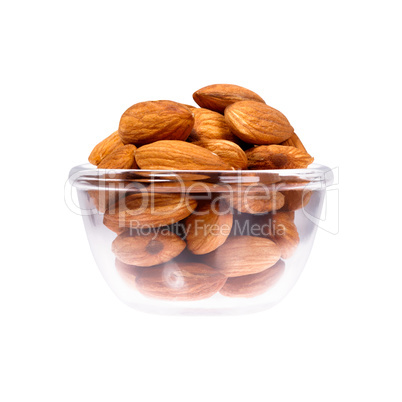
296	199
120	158
283	232
294	141
103	198
147	249
208	227
105	147
257	123
180	281
228	151
210	125
146	122
178	155
148	210
243	255
128	273
255	202
254	284
277	157
217	97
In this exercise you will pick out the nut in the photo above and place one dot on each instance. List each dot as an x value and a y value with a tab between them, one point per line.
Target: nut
120	158
257	123
217	97
294	141
128	273
228	151
277	157
254	284
147	249
180	281
238	256
151	121
255	202
208	227
171	155
148	210
104	148
210	125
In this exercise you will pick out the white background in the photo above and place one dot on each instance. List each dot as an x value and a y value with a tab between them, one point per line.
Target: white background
69	70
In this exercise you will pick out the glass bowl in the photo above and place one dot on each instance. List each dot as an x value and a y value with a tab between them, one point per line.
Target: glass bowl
200	242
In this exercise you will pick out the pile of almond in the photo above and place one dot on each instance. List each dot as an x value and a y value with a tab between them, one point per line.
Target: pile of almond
191	238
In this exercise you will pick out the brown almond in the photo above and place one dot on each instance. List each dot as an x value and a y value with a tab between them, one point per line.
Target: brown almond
277	157
178	155
254	284
284	232
296	199
228	151
255	202
208	227
146	122
148	210
120	158
257	123
103	198
294	141
210	125
180	281
128	273
217	97
145	249
243	255
104	148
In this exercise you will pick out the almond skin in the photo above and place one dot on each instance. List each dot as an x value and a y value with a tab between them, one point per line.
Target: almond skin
294	141
283	232
120	158
148	210
254	284
277	157
208	227
228	151
210	125
146	122
147	249
178	155
243	255
104	148
295	199
180	281
217	97
255	203
128	273
257	123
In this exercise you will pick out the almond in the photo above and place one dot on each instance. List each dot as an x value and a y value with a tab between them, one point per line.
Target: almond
228	151
254	284
128	273
105	147
148	210
255	202
243	255
120	158
283	232
208	227
294	141
277	157
257	123
217	97
296	199
178	155
147	249
150	121
180	281
210	125
103	198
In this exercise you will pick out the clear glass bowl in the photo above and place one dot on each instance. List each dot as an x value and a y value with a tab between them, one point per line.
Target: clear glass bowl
200	242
